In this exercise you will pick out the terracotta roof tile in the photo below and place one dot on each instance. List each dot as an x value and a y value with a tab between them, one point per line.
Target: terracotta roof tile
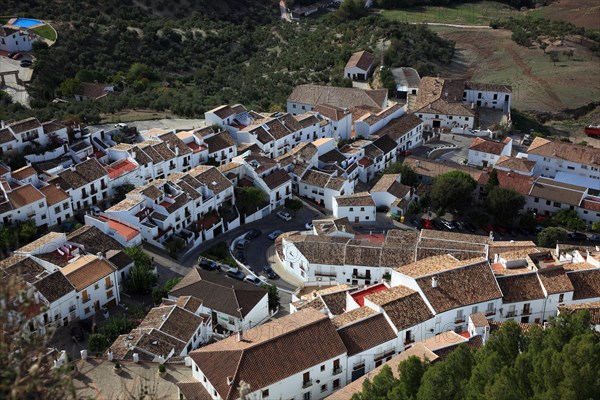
555	280
586	284
366	334
356	199
522	287
54	195
337	96
362	60
404	306
24	195
567	151
86	271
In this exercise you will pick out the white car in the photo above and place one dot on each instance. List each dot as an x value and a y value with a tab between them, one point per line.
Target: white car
273	235
121	125
95	210
284	215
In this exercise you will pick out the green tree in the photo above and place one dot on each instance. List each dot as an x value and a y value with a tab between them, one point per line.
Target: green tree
408	176
383	383
140	72
174	246
160	293
352	9
141	277
121	191
452	190
504	204
97	343
117	326
410	372
576	224
250	199
492	181
550	236
294	204
448	380
273	294
68	87
596	226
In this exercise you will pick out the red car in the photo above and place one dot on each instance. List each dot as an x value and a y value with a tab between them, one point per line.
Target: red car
426	223
405	153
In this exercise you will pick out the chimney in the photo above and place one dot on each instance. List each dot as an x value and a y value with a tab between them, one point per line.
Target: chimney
229	380
240	336
100	255
434	282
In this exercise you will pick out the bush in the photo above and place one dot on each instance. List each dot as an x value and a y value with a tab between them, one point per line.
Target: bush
294	204
97	343
160	293
162	368
549	237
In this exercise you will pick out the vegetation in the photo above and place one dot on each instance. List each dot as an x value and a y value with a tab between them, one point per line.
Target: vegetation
250	199
504	204
46	32
248	56
556	363
114	327
220	253
550	236
569	219
174	246
141	277
294	204
121	191
160	293
21	233
27	367
408	176
450	190
273	294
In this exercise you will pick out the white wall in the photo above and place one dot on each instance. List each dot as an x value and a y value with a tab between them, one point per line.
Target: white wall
363	213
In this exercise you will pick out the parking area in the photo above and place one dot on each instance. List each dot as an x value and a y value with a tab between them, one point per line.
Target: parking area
11	86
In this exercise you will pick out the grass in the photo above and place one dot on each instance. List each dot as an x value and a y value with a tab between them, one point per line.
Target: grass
462	14
220	253
46	32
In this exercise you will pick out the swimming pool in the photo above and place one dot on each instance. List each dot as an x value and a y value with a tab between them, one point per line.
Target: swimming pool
26	22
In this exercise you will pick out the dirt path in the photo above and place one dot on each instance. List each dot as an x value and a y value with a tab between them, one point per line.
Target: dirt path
453	25
527	72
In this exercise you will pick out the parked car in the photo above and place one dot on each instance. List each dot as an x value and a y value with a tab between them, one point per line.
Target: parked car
208	265
253	234
284	215
405	153
526	140
383	209
241	257
594	238
578	236
308	226
269	272
448	224
242	244
273	235
17	56
416	223
253	279
121	125
437	225
77	333
235	273
95	210
26	63
426	223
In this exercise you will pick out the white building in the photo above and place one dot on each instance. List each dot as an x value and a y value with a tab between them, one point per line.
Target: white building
389	192
407	81
360	66
406	131
13	39
371	122
322	188
305	97
357	207
339	118
86	183
16	136
484	152
552	157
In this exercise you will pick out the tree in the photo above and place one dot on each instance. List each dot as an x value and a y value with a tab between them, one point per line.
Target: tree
68	87
452	190
121	191
504	204
141	277
160	293
492	181
410	373
576	224
249	199
408	176
273	294
383	383
448	380
596	226
549	237
97	343
294	204
174	246
352	9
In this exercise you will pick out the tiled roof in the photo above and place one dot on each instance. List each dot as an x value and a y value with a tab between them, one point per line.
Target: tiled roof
549	189
386	144
404	306
352	316
566	151
282	348
94	240
323	250
276	178
223	111
460	287
119	258
555	280
6	136
593	308
164	151
361	60
304	151
193	390
366	334
218	292
22	266
24	195
54	286
211	177
23	173
175	143
25	125
356	199
219	141
337	96
586	284
515	164
488	87
86	271
52	126
363	254
388	183
521	287
479	320
332	156
41	242
487	146
172	320
92	90
54	195
331	112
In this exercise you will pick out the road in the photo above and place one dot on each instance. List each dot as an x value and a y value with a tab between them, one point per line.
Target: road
175	123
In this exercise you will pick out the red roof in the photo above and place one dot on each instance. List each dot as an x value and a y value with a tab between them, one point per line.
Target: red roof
196	148
375	237
125	231
359	296
119	168
365	162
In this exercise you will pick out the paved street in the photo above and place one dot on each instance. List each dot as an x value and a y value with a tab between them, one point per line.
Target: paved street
175	123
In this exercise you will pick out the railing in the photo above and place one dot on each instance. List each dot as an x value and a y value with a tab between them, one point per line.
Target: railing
306	384
459	320
86	299
526	312
510	314
72	308
409	340
490	312
337	370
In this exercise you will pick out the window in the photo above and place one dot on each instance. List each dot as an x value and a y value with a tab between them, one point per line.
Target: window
449	116
548	202
351	208
109	294
324	388
41	204
536	200
84	296
459	316
323	367
96	286
307	394
474	310
466	118
56	210
495	96
265	393
362	209
86	310
336	383
561	297
557	204
478	95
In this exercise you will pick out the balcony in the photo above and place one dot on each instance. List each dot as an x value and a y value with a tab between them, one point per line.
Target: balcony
337	370
85	299
459	320
109	285
526	312
71	309
409	340
510	314
306	384
490	312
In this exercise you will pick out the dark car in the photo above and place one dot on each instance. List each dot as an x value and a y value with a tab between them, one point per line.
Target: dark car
208	265
426	223
77	333
577	236
416	223
437	225
26	63
470	226
270	273
240	257
235	273
253	234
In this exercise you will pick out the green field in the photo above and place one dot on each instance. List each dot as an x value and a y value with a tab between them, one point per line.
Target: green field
46	32
462	14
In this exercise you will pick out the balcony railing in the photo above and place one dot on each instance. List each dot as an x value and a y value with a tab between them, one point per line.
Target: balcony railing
409	340
510	314
86	299
306	384
490	312
459	320
337	370
526	312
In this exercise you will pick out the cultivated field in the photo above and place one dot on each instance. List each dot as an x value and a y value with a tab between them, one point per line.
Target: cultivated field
480	13
489	55
584	13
